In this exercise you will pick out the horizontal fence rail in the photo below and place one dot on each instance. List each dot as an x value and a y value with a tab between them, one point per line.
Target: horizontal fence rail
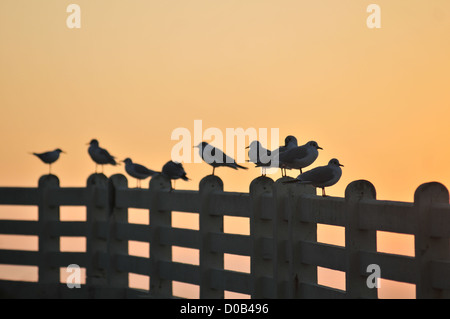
282	244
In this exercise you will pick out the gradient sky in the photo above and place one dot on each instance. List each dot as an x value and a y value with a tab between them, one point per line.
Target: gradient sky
376	99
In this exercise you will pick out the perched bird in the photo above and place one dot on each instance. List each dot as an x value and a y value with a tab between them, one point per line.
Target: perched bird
174	171
137	171
290	142
261	156
300	157
100	155
322	176
215	157
49	157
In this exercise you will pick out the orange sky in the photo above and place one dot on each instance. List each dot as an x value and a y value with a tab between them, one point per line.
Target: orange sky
376	99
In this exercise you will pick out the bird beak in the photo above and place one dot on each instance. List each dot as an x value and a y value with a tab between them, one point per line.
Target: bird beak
63	152
341	165
318	147
247	147
88	143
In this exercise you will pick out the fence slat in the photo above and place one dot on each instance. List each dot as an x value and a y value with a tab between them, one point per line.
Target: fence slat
180	272
260	227
230	244
322	255
134	264
230	280
301	232
18	227
428	248
19	257
19	196
315	291
209	222
357	239
47	214
393	267
137	232
72	228
159	286
387	216
313	209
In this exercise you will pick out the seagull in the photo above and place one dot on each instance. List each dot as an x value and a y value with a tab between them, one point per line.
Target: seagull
174	170
300	157
322	176
290	142
215	157
100	155
137	171
261	156
49	157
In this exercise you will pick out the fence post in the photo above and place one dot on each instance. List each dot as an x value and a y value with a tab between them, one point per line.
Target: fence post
96	241
260	231
301	232
282	251
209	222
159	287
117	215
48	274
427	248
357	239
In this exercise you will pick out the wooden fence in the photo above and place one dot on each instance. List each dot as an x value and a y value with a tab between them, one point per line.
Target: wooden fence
282	243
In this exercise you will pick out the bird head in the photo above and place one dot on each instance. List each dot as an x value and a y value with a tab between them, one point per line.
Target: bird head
254	144
290	139
93	142
201	145
60	151
127	161
334	161
314	144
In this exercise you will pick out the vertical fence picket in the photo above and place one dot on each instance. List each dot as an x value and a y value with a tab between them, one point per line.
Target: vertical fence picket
48	273
260	230
96	241
357	239
301	232
282	228
159	287
428	248
209	222
116	247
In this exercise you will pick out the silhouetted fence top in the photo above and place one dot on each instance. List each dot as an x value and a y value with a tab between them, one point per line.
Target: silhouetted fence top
282	243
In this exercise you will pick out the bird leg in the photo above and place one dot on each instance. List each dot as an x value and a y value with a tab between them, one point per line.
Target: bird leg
323	192
213	170
49	169
301	171
96	168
